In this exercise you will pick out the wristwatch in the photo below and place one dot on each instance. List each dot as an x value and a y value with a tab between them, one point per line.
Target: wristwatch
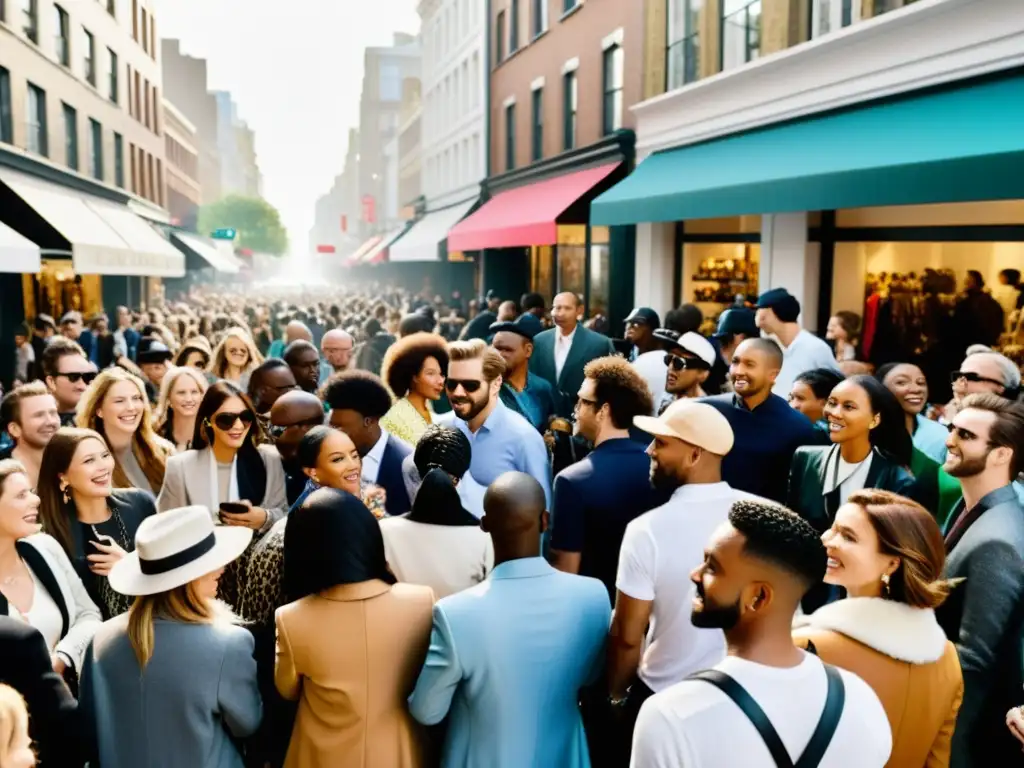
618	703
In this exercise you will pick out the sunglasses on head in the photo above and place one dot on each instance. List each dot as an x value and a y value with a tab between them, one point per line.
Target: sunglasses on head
972	377
74	378
226	421
691	363
470	385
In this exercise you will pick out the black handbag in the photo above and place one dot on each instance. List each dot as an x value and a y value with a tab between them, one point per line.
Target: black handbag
820	739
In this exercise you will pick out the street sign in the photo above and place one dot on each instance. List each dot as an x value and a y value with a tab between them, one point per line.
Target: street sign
226	233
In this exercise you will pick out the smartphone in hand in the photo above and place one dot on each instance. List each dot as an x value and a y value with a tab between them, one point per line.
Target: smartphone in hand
232	508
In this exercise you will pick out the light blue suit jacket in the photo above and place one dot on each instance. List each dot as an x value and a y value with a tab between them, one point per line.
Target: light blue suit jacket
507	660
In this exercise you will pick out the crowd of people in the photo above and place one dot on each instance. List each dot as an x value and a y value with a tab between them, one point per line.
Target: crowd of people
367	528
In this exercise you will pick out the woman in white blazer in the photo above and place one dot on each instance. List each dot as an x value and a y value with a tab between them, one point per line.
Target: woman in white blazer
38	583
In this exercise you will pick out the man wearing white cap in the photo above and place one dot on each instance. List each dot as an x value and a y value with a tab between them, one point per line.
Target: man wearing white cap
659	550
689	360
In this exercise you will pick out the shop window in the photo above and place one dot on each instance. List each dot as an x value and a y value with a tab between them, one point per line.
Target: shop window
715	275
991	212
537	126
683	48
570	103
730	225
741	32
612	79
600	262
70	136
6	115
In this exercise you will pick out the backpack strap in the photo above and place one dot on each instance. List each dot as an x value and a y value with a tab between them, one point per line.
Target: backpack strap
822	736
752	710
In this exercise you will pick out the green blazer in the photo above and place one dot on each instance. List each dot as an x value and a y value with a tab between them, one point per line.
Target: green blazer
586	346
807	483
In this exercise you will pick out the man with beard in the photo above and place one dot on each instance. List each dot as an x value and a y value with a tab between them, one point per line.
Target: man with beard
985	542
29	415
651	644
269	381
752	576
503	441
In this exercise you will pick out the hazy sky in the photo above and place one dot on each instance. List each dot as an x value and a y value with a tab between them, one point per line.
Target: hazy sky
295	70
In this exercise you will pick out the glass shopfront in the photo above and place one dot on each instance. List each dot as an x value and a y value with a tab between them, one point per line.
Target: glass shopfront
57	289
564	266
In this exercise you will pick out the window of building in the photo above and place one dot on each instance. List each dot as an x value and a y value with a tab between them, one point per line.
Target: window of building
37	140
90	57
156	110
499	38
152	37
741	32
612	79
683	51
510	136
150	178
30	20
112	77
63	40
112	7
135	21
95	150
6	112
144	31
138	96
390	82
537	124
70	136
539	17
119	160
513	26
135	174
146	98
570	101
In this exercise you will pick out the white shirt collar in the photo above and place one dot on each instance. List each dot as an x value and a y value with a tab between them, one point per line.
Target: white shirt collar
372	460
566	339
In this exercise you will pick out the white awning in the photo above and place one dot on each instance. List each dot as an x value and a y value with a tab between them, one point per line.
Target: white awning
17	254
378	253
105	238
208	251
422	240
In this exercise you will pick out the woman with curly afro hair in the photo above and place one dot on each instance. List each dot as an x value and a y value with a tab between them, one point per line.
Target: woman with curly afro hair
414	368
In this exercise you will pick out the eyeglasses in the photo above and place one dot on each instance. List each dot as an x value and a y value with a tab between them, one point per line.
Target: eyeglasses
581	401
972	377
226	421
691	363
277	430
470	385
74	378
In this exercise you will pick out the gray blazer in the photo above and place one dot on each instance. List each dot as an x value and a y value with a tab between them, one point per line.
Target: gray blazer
197	691
187	482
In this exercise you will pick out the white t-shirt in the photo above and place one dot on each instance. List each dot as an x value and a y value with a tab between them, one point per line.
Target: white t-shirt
659	550
695	725
806	353
651	367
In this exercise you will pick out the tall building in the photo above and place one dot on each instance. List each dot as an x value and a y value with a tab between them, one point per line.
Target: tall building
184	193
81	158
236	150
185	85
335	232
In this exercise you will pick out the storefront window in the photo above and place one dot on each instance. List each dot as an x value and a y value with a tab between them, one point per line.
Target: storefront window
57	289
716	275
600	260
542	271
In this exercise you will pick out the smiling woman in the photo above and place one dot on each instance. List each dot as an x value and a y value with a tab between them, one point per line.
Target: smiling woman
180	394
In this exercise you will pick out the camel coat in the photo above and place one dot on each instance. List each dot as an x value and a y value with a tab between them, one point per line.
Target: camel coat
351	656
903	654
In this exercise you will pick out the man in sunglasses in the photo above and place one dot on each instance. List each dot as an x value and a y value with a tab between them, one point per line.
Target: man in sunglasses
294	413
984	372
688	358
68	374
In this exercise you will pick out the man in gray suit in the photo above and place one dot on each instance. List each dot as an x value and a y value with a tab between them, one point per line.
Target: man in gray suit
560	353
985	541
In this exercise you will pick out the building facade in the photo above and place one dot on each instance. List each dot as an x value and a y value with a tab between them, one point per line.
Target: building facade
81	157
335	232
184	193
867	169
236	150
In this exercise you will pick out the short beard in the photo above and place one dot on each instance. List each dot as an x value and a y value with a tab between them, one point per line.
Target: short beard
968	467
663	481
716	616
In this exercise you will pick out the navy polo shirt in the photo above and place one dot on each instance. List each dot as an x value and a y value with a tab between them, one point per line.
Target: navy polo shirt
595	499
765	440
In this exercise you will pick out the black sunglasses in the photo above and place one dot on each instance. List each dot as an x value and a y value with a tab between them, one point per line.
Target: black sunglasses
276	430
74	378
470	385
226	421
963	434
691	363
972	377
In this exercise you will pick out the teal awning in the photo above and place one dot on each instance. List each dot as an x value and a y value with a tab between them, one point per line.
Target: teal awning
950	146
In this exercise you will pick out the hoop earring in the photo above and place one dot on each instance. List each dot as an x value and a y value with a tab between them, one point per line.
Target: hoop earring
885	584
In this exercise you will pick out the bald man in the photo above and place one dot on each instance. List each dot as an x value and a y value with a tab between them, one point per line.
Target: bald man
528	714
294	331
336	352
561	353
293	414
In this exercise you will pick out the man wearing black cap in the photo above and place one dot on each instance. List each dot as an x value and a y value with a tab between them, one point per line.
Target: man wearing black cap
640	327
522	391
688	361
153	358
777	313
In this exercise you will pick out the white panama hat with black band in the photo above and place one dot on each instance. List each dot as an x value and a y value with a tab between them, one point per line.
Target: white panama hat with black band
175	547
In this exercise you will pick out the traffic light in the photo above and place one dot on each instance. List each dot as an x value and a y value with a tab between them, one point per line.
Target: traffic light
226	233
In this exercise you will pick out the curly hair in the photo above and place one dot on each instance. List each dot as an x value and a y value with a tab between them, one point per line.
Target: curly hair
782	538
618	384
359	391
445	448
405	358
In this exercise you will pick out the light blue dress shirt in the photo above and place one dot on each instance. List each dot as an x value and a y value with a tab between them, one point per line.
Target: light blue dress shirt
506	663
506	442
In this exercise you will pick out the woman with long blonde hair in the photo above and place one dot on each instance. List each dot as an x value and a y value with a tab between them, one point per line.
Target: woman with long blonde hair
181	393
15	743
115	405
235	357
178	650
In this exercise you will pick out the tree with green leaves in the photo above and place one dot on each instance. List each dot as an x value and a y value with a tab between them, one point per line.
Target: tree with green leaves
256	221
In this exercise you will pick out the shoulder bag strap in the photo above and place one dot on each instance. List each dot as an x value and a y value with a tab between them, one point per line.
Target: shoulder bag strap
822	737
752	710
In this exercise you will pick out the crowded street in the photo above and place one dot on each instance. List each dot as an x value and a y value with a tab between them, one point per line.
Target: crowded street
592	384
